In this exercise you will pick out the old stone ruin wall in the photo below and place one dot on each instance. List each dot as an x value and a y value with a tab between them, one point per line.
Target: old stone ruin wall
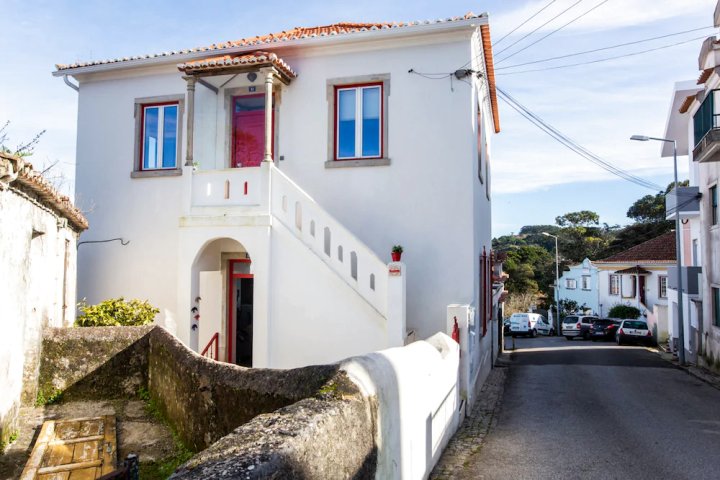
309	422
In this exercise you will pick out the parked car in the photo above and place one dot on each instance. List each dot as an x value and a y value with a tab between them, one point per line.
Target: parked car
604	329
529	324
577	326
634	331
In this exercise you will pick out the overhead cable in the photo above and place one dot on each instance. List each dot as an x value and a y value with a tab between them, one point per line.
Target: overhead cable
553	32
538	28
523	23
574	146
549	59
603	59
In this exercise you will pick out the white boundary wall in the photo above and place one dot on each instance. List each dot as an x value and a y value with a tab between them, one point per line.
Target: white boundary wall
416	387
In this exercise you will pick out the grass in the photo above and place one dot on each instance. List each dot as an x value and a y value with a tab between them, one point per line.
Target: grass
55	396
162	469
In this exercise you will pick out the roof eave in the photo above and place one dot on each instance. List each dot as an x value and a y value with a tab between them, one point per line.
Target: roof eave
397	32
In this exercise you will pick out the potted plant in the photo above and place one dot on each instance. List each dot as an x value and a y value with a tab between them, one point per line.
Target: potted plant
396	253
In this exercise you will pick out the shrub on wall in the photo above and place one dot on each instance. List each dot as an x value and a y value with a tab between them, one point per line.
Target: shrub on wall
624	311
116	312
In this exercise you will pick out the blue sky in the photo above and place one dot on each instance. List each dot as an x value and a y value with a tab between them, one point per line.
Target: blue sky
535	179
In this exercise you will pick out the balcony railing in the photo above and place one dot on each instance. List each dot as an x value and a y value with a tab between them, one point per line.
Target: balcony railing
706	126
229	187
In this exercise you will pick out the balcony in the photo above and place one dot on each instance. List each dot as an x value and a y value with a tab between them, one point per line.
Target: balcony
682	200
231	187
706	125
692	284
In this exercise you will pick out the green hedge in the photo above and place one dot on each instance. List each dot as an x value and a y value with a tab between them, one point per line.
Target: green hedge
624	312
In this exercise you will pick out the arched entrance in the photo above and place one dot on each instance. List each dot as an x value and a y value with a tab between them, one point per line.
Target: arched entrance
223	293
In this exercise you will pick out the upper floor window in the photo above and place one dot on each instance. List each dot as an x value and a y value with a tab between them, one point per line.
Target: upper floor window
614	285
713	205
716	306
159	136
570	283
662	288
359	121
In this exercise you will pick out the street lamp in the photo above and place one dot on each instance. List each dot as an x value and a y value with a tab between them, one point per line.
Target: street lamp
557	283
681	322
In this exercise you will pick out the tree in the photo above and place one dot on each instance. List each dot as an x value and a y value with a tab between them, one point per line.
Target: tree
581	235
651	208
581	219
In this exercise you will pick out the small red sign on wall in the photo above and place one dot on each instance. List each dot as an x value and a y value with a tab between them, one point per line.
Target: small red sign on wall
394	271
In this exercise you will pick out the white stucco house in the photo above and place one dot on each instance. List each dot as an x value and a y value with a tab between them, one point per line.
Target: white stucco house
580	284
262	183
39	229
693	123
638	277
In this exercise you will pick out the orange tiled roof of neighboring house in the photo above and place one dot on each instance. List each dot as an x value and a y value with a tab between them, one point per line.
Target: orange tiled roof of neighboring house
16	172
686	104
704	75
258	58
657	250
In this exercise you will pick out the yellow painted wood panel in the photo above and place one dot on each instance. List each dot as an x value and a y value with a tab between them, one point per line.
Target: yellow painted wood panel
76	449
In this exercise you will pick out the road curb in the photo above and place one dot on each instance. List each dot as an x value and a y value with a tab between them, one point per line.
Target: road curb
700	373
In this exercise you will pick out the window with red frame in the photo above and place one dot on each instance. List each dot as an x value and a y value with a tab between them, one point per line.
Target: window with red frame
358	121
159	149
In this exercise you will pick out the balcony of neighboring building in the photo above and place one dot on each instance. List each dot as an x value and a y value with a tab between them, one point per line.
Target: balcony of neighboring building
683	201
692	284
706	124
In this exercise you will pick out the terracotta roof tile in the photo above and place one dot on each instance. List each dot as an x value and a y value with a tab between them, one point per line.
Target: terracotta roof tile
342	28
704	75
16	172
490	66
658	250
636	270
258	59
686	104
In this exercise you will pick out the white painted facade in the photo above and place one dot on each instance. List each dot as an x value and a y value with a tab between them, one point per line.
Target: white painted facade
700	240
315	300
37	283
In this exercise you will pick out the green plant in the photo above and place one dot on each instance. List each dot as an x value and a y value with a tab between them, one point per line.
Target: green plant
53	397
397	249
624	312
116	312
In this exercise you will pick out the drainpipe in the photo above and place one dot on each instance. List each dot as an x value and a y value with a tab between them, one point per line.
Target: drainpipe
70	84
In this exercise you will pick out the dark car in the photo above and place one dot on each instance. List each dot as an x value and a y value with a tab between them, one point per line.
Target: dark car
604	329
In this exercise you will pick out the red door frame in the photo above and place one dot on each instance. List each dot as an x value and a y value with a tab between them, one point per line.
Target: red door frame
232	276
232	127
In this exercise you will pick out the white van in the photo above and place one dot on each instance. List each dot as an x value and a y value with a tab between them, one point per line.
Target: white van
529	324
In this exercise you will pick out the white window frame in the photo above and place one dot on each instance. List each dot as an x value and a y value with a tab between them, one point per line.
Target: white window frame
585	283
618	287
358	121
570	281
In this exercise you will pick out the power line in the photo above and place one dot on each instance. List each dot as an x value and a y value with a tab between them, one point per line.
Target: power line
603	48
585	152
538	28
603	59
523	23
553	32
574	146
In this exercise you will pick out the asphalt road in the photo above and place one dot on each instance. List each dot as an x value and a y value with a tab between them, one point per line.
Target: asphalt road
586	410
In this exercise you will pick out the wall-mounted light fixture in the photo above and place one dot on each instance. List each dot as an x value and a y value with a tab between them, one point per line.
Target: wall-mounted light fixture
252	76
